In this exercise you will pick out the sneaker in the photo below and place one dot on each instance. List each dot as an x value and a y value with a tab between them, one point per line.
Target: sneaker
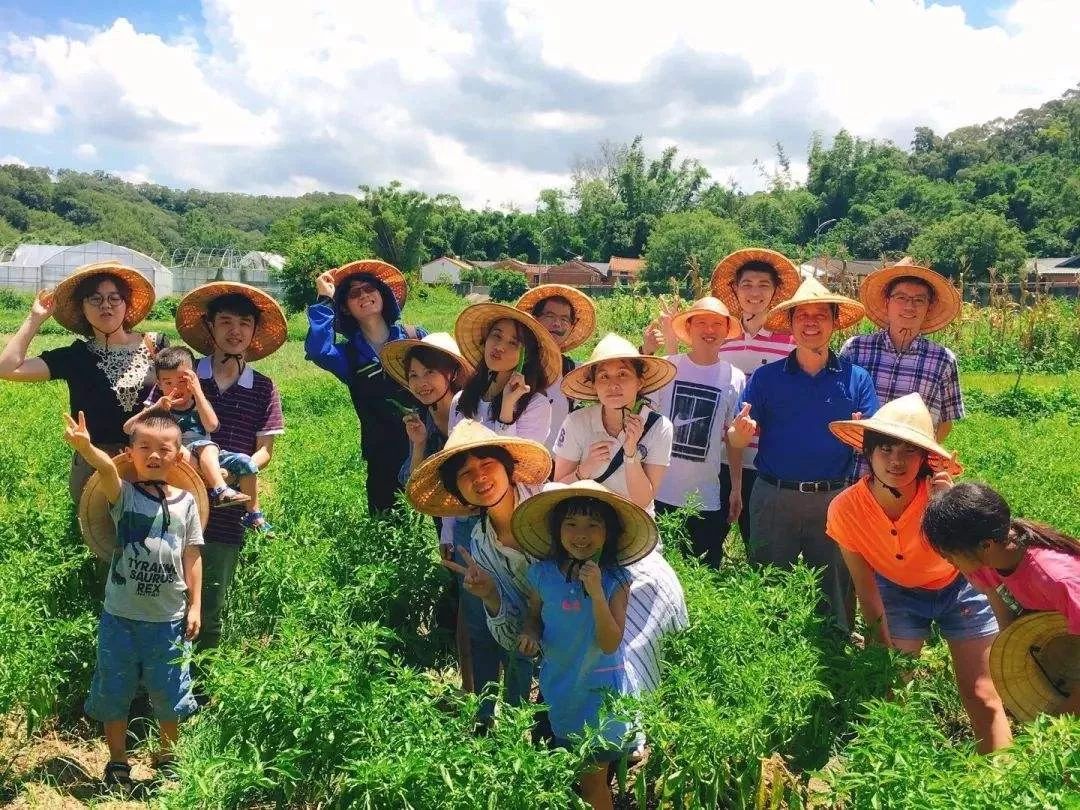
227	496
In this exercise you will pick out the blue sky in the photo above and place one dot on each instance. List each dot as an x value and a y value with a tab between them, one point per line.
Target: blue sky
494	100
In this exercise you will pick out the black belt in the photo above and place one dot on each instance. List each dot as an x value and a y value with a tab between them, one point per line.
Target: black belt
806	486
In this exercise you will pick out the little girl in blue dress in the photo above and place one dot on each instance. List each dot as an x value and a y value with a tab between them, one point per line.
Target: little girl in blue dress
583	534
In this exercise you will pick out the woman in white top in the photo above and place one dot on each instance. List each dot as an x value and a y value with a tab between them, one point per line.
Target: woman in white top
621	442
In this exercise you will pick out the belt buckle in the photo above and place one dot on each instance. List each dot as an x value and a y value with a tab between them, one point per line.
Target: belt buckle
813	486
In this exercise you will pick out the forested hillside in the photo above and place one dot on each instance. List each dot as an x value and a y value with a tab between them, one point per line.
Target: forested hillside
982	196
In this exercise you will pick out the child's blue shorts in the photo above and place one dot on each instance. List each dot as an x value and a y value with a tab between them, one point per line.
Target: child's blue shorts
130	652
238	464
961	612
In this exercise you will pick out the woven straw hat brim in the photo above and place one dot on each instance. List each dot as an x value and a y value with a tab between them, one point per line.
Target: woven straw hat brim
1019	678
393	356
851	312
850	432
68	312
271	331
475	321
583	306
383	271
723	277
658	373
530	522
681	322
939	314
532	466
95	521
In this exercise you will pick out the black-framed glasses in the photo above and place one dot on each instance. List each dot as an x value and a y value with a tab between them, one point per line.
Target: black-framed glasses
917	301
98	301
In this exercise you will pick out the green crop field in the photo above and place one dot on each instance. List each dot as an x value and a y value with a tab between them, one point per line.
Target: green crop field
335	685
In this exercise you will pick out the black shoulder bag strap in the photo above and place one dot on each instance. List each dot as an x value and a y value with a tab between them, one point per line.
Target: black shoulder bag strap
617	459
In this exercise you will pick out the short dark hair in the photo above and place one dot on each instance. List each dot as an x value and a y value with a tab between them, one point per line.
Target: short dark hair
833	308
589	507
155	421
443	363
896	282
234	304
758	267
450	468
87	287
172	357
538	307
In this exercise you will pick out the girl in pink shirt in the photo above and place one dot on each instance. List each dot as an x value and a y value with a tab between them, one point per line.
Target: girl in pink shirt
971	526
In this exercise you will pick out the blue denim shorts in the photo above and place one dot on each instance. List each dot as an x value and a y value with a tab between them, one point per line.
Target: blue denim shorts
130	652
238	464
961	612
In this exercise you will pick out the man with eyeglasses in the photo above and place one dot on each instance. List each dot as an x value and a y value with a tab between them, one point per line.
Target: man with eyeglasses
908	302
570	317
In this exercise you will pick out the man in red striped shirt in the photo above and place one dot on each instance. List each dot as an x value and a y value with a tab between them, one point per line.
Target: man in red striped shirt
750	282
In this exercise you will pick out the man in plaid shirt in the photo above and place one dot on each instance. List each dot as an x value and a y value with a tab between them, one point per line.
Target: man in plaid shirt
908	301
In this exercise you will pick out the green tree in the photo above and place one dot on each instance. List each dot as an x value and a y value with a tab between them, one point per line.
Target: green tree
680	238
508	285
978	239
400	220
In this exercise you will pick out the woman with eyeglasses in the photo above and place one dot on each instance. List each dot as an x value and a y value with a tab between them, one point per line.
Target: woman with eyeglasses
361	301
109	369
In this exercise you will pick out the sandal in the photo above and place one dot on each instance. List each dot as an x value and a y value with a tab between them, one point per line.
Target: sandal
256	522
118	775
227	496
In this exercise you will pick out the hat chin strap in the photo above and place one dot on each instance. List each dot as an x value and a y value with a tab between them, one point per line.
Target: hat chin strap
160	496
238	358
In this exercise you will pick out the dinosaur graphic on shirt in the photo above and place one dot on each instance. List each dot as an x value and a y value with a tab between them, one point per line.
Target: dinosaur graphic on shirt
132	529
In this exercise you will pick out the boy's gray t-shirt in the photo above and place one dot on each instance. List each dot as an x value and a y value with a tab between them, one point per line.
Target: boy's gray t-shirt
146	575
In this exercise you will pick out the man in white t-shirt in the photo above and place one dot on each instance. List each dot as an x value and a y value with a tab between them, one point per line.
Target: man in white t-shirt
570	317
701	403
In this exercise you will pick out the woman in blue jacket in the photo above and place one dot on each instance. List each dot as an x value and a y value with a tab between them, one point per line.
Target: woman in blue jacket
361	301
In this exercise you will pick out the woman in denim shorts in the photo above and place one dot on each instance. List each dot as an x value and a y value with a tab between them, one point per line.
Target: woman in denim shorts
903	586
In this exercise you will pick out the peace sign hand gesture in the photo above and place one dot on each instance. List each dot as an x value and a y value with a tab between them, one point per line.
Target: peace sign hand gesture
76	434
743	429
477	581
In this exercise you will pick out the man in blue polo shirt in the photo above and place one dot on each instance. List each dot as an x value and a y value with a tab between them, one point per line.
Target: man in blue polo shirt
801	465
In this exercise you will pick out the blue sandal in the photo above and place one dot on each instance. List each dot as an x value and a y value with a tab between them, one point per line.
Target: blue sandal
256	522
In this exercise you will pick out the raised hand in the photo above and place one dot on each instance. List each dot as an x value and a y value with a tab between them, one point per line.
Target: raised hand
634	428
596	460
191	380
941	482
324	284
589	576
477	581
668	310
652	337
43	305
515	388
743	429
415	430
76	434
164	403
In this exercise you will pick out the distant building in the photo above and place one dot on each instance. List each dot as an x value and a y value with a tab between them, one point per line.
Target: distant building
443	268
29	268
625	271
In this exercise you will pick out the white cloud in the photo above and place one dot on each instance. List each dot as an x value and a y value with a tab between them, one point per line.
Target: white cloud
139	174
495	100
12	160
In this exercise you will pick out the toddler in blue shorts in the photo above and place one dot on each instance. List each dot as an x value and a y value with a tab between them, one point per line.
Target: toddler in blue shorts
152	592
179	393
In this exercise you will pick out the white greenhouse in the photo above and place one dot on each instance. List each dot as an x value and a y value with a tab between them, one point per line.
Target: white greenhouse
29	268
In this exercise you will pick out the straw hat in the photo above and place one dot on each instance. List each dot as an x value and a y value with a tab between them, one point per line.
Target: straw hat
723	277
378	269
95	521
658	371
906	418
812	291
531	529
68	312
270	331
941	312
474	323
393	354
1035	664
425	490
584	310
707	305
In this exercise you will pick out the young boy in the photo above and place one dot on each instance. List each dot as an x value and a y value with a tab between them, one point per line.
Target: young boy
179	393
152	595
